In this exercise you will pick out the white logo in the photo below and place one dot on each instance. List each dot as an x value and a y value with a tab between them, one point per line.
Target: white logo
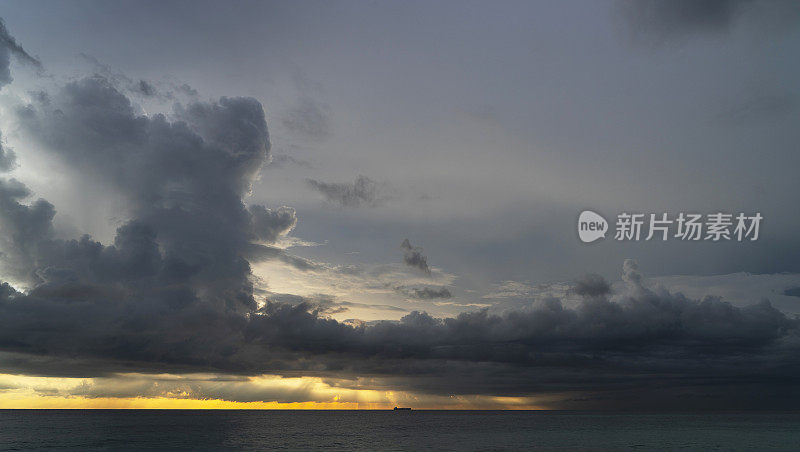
713	227
591	226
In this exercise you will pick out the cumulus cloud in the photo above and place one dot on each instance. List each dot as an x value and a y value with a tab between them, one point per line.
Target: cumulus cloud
183	179
364	192
413	257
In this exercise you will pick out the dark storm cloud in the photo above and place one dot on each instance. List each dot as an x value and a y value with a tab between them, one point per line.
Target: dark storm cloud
681	345
678	342
184	181
364	192
591	285
24	226
413	257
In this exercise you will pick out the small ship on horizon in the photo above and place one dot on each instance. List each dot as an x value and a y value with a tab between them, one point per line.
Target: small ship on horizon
401	409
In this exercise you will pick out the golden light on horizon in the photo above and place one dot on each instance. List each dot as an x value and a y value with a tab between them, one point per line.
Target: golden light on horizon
210	392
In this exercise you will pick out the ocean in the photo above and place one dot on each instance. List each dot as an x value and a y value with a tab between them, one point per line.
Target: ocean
388	430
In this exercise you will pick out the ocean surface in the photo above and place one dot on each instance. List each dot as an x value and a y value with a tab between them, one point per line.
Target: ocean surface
388	430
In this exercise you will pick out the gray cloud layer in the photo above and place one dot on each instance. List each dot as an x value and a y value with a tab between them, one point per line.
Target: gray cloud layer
174	291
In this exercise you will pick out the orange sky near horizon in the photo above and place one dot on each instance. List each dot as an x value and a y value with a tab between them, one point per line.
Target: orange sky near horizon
203	392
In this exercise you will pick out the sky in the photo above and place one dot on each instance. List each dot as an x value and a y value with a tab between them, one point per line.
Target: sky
374	204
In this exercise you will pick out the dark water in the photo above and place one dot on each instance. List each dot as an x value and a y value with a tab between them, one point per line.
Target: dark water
387	430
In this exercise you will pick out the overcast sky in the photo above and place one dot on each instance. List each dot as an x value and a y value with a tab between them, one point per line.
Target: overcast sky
264	189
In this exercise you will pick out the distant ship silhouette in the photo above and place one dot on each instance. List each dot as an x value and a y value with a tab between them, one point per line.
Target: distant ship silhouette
402	409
